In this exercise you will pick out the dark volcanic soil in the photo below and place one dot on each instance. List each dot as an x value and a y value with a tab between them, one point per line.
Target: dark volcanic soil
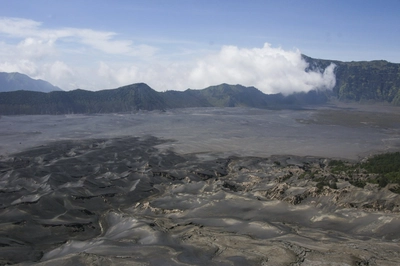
123	201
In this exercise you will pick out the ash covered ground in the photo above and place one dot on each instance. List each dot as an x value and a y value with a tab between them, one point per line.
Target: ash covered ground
205	186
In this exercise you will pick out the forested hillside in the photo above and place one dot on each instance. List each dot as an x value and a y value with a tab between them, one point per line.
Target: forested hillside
141	97
124	99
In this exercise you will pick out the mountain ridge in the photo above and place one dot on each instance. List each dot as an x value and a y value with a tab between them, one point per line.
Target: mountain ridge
140	96
356	81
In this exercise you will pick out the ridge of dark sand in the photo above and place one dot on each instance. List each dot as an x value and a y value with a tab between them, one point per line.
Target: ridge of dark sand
126	200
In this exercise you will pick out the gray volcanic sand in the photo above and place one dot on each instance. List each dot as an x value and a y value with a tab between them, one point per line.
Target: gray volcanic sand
192	187
345	131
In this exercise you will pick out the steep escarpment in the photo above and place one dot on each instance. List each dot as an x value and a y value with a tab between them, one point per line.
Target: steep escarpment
363	81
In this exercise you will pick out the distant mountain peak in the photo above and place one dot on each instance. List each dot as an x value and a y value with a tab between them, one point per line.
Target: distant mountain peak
16	81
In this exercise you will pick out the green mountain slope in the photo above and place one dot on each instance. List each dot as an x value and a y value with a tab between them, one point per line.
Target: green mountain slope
225	95
125	99
141	97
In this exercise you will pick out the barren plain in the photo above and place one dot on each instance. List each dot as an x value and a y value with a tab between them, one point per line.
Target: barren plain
200	186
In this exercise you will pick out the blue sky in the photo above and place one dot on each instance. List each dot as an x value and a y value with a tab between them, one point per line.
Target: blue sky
185	43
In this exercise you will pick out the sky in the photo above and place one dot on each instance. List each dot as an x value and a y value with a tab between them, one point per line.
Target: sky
181	44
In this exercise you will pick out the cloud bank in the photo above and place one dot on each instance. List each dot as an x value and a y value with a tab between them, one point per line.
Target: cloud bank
89	59
271	70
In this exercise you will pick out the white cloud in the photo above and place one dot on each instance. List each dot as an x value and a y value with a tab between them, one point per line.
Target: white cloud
19	27
66	57
90	59
271	70
159	76
59	73
23	66
36	49
104	41
101	40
